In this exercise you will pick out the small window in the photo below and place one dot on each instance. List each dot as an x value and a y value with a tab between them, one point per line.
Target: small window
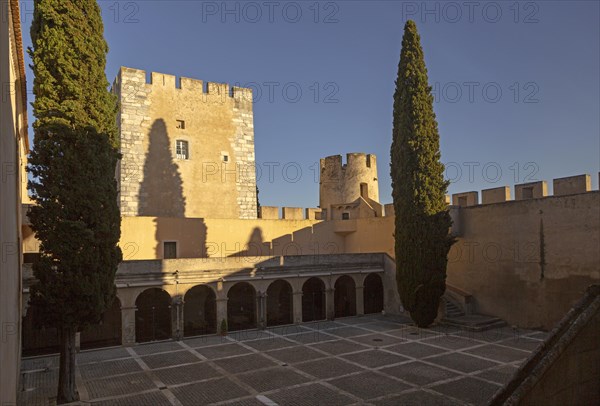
225	158
182	150
181	124
345	216
528	192
169	250
368	161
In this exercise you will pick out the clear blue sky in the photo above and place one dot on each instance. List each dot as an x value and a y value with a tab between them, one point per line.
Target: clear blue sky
542	56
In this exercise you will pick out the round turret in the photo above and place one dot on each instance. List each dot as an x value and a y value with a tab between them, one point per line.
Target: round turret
340	184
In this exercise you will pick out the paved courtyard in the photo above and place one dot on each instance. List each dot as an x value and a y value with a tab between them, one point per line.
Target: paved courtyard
369	360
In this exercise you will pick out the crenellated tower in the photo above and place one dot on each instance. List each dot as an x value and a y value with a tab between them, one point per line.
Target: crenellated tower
187	147
343	186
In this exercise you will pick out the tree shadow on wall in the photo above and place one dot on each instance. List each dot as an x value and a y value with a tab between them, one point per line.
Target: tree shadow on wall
161	196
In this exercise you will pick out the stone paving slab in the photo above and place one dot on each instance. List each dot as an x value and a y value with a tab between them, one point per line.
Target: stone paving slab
208	392
109	368
499	375
368	385
348	331
522	343
499	353
451	342
468	389
87	357
186	373
377	340
339	347
415	349
374	358
310	395
124	385
270	343
295	354
312	337
273	378
419	373
417	398
153	348
244	363
462	362
169	359
151	398
328	368
223	350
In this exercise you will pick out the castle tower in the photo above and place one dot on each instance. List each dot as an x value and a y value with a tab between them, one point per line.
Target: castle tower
344	185
187	147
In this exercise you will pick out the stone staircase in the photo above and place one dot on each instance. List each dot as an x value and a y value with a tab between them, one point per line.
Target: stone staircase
455	316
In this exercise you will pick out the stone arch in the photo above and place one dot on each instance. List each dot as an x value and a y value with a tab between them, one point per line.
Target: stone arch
108	330
153	315
345	296
373	293
241	307
199	311
313	300
279	303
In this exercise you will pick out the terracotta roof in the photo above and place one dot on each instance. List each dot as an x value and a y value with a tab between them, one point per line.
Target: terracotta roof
16	20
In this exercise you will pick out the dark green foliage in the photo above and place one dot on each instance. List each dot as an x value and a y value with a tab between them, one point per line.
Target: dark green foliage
419	188
76	216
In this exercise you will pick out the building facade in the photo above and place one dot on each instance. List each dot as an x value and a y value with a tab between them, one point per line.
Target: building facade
13	150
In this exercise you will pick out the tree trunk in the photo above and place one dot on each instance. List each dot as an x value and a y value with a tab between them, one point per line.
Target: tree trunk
67	391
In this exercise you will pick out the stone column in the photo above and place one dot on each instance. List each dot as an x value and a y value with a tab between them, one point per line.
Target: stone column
360	300
177	318
262	320
128	326
297	307
221	312
330	304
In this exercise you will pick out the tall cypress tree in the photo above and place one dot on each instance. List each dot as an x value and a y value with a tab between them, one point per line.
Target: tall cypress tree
76	216
422	218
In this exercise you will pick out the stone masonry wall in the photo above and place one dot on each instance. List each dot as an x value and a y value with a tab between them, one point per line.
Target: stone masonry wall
218	180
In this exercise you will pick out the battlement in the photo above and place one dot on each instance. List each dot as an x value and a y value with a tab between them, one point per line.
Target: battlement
353	159
289	213
525	191
158	80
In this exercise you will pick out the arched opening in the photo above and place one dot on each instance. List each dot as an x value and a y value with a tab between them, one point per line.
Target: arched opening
199	311
313	300
345	297
373	294
153	316
107	332
279	303
241	307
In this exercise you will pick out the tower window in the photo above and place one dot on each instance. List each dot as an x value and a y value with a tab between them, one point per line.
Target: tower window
182	150
169	249
345	216
181	124
225	158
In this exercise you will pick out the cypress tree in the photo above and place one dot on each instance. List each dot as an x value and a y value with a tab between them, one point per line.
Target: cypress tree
76	216
418	187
